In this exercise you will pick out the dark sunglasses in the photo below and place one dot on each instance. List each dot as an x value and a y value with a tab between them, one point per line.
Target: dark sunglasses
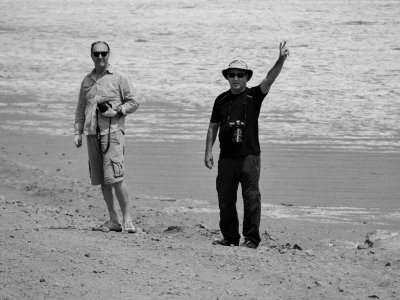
97	54
239	75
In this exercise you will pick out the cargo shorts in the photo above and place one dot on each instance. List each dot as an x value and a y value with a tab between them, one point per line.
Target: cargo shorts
107	168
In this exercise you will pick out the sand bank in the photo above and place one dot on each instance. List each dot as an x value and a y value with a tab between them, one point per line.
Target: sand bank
48	209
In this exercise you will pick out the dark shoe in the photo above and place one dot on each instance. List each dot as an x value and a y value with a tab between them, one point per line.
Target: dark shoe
249	244
224	242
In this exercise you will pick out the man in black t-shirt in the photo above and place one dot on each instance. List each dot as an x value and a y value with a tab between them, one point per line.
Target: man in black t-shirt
235	115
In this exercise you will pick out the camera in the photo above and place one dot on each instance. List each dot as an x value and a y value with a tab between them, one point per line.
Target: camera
238	127
103	106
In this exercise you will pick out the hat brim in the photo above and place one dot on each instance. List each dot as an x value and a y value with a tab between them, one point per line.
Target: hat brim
248	72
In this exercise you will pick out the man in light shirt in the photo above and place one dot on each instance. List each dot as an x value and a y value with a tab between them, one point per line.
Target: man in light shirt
105	98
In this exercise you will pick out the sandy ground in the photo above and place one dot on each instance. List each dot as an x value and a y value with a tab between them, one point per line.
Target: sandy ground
48	250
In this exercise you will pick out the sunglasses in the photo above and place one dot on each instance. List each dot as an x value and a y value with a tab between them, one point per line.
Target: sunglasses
97	54
239	75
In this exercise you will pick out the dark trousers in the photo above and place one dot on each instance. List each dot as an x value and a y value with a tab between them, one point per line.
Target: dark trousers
231	172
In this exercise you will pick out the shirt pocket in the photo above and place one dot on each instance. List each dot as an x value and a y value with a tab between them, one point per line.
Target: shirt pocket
87	88
111	90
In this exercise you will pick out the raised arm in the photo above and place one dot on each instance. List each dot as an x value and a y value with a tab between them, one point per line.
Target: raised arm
265	85
210	140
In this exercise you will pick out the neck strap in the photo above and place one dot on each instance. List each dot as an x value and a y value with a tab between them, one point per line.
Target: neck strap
244	108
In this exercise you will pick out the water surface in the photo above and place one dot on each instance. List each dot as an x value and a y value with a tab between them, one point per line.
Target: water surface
338	89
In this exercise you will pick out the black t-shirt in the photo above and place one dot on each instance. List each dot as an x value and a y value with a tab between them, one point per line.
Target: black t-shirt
230	108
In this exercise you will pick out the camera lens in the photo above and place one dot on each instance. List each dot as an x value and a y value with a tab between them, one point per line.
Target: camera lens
237	135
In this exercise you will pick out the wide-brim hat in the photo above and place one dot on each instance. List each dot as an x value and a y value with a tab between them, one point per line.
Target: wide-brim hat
238	64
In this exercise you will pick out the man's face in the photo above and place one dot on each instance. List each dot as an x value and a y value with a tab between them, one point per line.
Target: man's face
100	55
237	80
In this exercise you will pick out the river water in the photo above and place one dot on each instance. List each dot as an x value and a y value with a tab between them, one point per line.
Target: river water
338	89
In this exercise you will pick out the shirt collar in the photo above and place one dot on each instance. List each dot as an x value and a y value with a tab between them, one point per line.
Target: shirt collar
109	70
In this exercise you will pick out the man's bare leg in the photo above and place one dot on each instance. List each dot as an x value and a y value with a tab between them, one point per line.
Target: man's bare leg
109	199
123	199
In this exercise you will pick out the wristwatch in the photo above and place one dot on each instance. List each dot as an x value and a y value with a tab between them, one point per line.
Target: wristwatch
119	111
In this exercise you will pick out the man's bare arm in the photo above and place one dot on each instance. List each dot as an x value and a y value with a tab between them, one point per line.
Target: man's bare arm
210	140
265	85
